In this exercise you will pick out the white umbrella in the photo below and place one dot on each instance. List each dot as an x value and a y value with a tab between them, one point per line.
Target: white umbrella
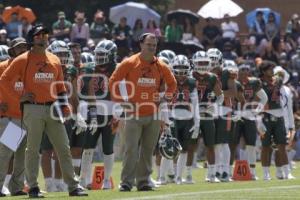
218	8
133	11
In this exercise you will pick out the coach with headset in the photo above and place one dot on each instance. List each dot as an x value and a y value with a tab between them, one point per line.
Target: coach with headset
41	74
144	75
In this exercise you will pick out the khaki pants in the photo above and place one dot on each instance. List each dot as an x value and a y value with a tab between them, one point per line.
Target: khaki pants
16	183
140	138
37	120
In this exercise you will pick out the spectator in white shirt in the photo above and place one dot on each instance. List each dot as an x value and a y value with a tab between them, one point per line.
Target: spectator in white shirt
229	32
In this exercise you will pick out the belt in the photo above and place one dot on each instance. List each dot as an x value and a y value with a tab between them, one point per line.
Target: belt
48	103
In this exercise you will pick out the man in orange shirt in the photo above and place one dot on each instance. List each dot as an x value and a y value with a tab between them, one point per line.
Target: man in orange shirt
10	112
144	74
41	73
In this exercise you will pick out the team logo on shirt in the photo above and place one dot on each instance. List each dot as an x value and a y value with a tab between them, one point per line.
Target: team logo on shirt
18	86
41	75
146	82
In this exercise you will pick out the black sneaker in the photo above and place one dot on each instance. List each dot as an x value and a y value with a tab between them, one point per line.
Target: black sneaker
145	188
78	192
218	175
19	193
2	195
124	188
35	193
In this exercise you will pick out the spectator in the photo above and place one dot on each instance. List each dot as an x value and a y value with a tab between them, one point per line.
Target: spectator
270	54
228	53
3	37
230	30
152	28
122	35
272	30
173	32
189	32
26	26
99	30
293	27
258	28
80	32
62	27
295	62
211	35
13	27
137	31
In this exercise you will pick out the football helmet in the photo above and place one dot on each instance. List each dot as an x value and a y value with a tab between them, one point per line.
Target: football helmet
201	62
216	57
231	66
166	55
61	50
180	65
169	146
4	53
87	58
105	52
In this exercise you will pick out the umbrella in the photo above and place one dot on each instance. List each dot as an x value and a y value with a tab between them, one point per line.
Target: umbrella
133	11
181	14
192	46
218	8
21	11
251	16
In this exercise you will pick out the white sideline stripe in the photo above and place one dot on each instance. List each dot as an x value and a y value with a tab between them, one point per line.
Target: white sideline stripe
168	196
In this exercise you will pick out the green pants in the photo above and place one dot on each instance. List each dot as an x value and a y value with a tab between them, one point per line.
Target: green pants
16	183
140	137
37	120
244	128
222	131
90	141
275	130
181	130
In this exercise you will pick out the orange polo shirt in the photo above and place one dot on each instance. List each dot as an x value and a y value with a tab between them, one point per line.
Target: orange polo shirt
146	79
13	102
39	73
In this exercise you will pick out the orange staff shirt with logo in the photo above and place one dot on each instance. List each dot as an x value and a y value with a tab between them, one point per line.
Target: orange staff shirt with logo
39	74
13	102
146	79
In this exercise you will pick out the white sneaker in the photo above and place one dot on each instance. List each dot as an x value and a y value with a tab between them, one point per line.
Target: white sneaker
290	177
189	180
178	180
152	183
213	179
267	177
51	187
106	185
162	181
254	177
5	190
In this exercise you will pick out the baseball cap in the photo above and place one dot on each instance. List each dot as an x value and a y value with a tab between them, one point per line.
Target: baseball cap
14	43
61	14
39	28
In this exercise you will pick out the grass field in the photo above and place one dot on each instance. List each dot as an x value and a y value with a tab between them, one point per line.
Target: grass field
274	189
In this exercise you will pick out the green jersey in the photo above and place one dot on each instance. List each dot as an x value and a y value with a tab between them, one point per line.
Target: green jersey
205	86
272	89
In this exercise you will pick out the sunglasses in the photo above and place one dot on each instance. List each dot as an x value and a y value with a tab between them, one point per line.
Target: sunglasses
41	35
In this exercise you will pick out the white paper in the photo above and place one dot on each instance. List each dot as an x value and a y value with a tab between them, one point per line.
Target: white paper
12	136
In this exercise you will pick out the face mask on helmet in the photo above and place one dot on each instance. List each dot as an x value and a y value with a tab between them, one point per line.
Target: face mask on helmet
101	58
169	147
63	57
181	70
201	62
